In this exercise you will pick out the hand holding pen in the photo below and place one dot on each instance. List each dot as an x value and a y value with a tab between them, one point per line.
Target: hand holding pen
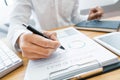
36	47
39	33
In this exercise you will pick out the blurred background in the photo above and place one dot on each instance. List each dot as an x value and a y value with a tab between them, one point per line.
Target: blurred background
111	8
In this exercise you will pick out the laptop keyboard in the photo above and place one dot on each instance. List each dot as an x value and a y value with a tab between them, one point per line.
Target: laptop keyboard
8	60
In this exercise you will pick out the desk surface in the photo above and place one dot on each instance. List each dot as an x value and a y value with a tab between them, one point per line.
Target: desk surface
19	73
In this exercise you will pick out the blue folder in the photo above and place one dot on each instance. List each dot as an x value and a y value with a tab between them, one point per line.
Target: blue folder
99	24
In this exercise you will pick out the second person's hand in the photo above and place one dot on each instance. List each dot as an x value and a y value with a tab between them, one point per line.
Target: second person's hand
36	47
95	13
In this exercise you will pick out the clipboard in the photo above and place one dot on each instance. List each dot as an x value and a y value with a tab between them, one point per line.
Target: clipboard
83	58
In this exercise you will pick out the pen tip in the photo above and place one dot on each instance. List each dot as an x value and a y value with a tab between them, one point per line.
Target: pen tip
24	25
62	47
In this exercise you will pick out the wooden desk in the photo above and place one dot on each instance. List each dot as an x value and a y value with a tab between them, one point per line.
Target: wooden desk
19	73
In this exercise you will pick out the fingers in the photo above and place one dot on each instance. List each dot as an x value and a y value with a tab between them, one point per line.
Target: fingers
38	50
41	41
32	56
97	9
95	13
35	47
32	51
38	40
36	54
93	10
99	12
51	35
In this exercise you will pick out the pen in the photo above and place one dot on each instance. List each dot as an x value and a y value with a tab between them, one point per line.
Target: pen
37	32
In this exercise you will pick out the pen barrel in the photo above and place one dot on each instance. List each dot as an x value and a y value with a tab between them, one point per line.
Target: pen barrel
36	32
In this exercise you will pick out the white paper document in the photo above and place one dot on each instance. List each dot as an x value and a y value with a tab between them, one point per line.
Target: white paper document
81	55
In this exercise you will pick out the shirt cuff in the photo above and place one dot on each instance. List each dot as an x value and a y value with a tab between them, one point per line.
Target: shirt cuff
15	44
14	38
84	17
76	19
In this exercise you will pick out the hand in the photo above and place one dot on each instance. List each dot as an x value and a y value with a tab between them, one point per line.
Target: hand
35	47
95	13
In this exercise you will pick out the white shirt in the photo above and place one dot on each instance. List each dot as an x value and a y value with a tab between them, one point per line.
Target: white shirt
49	14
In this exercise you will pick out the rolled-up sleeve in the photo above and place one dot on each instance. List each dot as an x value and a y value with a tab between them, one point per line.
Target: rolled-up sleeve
20	15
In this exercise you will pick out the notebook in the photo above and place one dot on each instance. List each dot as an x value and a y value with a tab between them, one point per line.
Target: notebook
110	41
99	25
81	58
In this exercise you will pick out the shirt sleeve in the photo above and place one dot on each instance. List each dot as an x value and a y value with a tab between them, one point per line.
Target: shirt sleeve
20	15
76	17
